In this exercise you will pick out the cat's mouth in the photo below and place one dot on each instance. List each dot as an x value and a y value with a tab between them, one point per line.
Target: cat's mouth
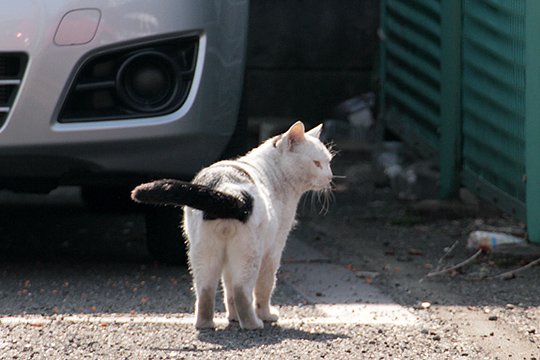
323	186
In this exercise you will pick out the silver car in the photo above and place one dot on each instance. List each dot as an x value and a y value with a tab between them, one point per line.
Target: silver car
104	93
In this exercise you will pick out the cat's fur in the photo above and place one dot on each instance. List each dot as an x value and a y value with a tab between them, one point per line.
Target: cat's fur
237	218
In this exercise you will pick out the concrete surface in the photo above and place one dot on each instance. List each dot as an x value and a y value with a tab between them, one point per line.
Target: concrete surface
336	292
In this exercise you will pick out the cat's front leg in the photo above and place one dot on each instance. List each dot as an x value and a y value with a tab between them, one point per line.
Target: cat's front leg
264	288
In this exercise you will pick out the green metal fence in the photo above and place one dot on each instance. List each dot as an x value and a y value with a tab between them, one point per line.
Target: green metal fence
472	96
493	95
418	71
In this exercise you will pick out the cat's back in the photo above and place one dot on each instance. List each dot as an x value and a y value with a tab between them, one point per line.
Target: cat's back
224	173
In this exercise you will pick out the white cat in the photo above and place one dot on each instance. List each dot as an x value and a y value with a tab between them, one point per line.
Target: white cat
237	217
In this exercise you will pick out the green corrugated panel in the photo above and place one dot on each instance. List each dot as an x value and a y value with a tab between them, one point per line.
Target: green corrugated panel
462	78
420	65
411	68
493	98
532	116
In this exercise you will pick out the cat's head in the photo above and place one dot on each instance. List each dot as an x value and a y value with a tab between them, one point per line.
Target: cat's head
305	157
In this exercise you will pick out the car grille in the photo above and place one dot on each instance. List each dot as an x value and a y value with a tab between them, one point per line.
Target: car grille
12	66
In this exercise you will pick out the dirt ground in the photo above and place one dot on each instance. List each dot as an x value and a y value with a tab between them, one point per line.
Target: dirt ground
394	244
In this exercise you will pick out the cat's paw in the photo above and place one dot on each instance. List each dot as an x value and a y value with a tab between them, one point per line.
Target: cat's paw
269	315
252	324
205	324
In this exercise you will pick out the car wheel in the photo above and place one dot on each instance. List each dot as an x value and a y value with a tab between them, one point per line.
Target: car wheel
165	241
238	143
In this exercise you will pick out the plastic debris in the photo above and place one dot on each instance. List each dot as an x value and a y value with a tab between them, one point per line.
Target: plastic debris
490	240
352	123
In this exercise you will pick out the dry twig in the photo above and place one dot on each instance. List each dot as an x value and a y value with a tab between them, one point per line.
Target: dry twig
446	254
455	267
510	274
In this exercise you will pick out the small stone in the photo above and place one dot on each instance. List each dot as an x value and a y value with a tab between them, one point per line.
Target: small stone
367	274
437	338
422	306
493	318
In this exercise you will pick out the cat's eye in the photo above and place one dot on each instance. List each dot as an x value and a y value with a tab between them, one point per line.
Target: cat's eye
317	164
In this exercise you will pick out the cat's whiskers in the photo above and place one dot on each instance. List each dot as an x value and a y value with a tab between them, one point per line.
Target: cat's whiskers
325	197
331	146
307	197
314	199
322	201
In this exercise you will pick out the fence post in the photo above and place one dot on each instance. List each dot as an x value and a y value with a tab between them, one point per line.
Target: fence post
450	126
532	118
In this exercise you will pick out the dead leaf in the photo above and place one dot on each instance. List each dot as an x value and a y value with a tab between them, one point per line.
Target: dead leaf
415	252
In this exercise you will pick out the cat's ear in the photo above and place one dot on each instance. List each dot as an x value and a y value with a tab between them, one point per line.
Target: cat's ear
295	134
291	137
316	131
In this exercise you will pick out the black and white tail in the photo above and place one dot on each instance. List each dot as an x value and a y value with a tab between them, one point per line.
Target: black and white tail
214	204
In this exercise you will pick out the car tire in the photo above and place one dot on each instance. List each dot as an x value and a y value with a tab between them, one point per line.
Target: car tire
237	145
164	237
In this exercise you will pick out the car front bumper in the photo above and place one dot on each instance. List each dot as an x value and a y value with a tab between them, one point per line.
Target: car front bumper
34	143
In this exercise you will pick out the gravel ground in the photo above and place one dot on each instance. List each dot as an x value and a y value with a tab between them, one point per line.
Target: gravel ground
158	341
78	284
